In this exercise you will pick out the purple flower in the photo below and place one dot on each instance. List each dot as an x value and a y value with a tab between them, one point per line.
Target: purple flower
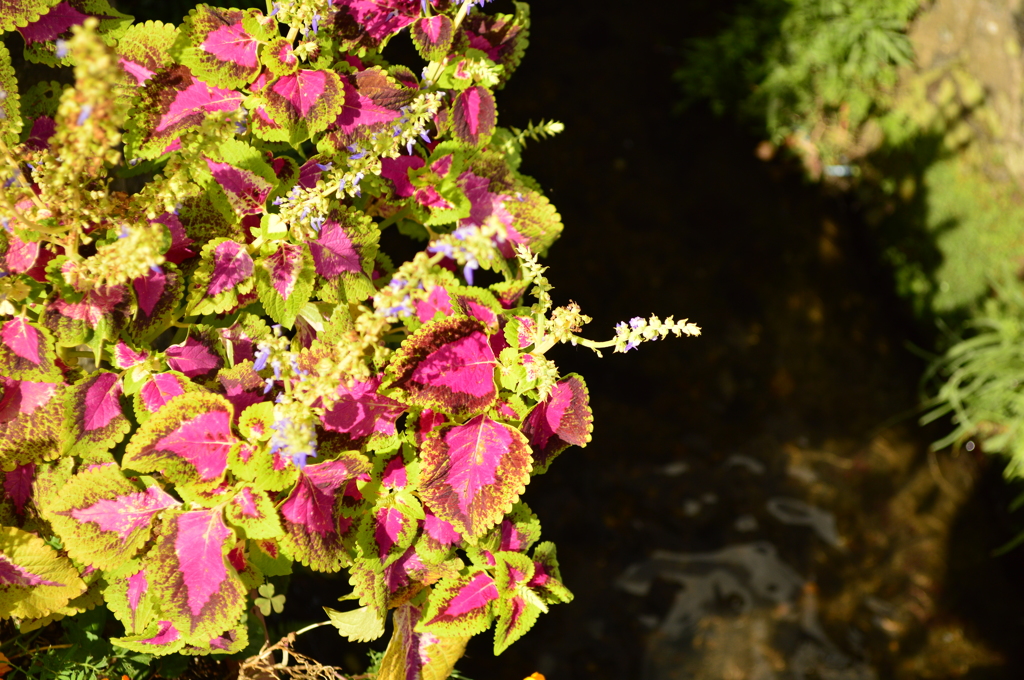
84	114
425	137
316	223
357	156
316	22
276	365
62	48
423	6
408	146
444	248
463	232
155	269
268	386
277	8
124	231
261	358
324	167
630	345
468	270
636	322
279	200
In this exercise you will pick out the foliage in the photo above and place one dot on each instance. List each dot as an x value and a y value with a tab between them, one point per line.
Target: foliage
981	379
212	371
792	64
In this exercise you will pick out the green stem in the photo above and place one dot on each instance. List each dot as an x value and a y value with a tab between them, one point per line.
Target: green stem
400	215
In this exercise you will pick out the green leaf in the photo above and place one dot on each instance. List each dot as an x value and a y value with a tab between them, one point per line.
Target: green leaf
10	108
251	510
358	625
36	581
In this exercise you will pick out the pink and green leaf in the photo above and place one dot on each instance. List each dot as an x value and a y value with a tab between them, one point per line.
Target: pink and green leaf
367	23
221	46
433	36
306	101
502	37
94	418
31	417
17	13
26	351
562	420
472	474
446	365
129	597
252	511
225	271
194	358
461	606
159	639
474	116
198	590
315	531
103	518
413	655
284	281
171	103
144	49
188	441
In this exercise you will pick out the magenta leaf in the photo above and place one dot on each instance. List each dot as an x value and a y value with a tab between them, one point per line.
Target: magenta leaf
188	441
562	420
433	36
125	356
361	411
437	302
158	294
460	606
371	21
103	518
160	389
439	530
473	116
57	21
21	255
94	418
18	485
334	253
179	250
315	532
225	45
26	351
446	365
472	474
173	102
231	266
193	358
197	588
516	614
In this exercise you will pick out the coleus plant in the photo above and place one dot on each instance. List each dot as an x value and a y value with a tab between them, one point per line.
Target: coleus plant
211	371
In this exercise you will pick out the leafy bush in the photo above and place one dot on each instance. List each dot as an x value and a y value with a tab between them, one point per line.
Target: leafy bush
211	370
790	64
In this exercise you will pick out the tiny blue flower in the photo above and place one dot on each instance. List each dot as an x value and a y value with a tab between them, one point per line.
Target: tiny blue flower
316	223
636	322
276	365
468	270
277	8
316	22
268	386
124	231
62	48
631	345
279	200
155	269
324	167
408	146
425	136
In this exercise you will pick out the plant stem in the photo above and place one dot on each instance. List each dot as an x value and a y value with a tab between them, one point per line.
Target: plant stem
38	649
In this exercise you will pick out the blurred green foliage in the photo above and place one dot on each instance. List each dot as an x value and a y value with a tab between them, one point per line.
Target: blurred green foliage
790	63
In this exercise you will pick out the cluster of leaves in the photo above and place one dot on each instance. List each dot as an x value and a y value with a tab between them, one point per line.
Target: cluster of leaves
792	64
215	372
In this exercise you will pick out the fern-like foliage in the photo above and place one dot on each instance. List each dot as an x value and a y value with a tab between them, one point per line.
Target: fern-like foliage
538	132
